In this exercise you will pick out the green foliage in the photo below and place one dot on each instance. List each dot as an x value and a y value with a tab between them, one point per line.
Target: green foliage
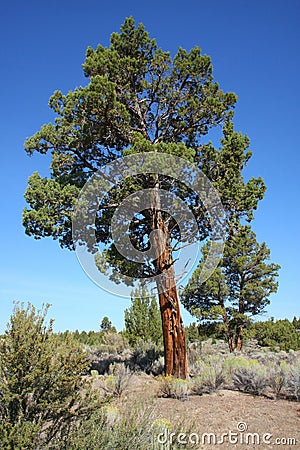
201	332
296	322
40	381
138	98
224	167
106	325
142	319
239	287
192	332
280	333
102	341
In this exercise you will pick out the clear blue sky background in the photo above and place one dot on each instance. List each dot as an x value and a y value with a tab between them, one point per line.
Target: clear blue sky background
254	47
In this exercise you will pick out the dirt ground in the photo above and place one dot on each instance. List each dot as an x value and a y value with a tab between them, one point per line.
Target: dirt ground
245	422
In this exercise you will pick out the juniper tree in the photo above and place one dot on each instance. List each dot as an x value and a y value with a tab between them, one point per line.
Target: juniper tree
106	325
142	318
238	289
139	98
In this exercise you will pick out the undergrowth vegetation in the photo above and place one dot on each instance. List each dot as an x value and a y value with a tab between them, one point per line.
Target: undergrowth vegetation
59	393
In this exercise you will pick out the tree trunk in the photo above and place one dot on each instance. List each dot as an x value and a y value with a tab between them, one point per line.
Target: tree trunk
173	330
239	338
173	334
228	333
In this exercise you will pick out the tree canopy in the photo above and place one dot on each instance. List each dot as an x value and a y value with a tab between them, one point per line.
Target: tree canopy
238	289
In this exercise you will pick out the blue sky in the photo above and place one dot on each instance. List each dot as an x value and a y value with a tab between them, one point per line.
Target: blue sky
254	48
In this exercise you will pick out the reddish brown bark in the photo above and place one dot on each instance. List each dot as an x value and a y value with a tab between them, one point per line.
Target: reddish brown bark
239	338
228	332
235	341
173	335
172	325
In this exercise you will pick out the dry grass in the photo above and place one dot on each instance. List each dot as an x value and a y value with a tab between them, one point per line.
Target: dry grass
218	413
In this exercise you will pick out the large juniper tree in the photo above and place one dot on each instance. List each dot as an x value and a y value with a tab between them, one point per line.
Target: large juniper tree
139	99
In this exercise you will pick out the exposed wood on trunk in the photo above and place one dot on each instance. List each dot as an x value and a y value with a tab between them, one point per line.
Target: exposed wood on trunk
172	325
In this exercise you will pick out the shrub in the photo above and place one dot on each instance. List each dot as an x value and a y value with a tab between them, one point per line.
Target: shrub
135	429
118	379
280	334
293	381
231	364
114	343
158	366
173	387
277	378
40	381
144	356
250	378
211	379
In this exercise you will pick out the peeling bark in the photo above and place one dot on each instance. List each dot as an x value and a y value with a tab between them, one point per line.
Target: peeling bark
172	324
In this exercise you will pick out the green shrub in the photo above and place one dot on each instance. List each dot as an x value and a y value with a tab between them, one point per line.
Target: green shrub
40	382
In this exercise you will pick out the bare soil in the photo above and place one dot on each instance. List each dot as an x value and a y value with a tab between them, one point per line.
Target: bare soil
274	422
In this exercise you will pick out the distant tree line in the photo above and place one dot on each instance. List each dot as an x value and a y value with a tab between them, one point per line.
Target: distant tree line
143	324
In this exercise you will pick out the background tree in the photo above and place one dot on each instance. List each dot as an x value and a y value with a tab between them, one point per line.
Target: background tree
296	322
279	333
238	289
142	319
106	325
140	99
41	382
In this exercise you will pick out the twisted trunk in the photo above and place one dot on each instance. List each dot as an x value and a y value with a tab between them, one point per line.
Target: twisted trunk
172	325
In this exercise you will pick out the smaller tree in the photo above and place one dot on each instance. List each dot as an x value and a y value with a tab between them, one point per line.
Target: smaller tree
237	290
296	322
106	325
41	382
142	318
